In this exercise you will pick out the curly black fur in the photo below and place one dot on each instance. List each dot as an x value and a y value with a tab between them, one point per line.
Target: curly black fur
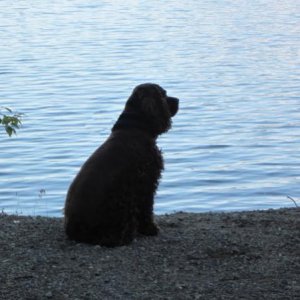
111	198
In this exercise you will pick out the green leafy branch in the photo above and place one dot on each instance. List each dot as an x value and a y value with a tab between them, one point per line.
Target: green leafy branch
9	120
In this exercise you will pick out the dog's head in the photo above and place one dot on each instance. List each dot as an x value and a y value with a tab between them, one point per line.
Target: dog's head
152	103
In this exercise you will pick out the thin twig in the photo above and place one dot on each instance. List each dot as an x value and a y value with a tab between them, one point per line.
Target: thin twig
293	200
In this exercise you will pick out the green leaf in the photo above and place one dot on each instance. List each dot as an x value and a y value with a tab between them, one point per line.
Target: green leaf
10	130
10	122
8	109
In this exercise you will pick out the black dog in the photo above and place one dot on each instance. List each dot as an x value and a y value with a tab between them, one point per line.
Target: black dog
111	198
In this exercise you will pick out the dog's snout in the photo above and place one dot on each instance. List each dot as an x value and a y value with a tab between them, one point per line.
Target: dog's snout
173	105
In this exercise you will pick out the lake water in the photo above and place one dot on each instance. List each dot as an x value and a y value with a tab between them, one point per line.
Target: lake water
69	66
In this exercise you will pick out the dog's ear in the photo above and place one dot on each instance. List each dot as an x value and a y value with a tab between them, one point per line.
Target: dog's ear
138	93
135	99
146	98
151	106
151	99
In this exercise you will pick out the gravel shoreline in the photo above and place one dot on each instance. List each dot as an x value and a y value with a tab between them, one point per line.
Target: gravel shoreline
238	255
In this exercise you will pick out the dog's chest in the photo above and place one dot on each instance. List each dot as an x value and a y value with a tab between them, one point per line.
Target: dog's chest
151	165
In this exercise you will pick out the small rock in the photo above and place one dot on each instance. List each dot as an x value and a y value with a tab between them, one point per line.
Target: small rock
49	295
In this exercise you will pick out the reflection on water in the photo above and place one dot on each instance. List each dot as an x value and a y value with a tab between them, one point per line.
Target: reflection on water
70	66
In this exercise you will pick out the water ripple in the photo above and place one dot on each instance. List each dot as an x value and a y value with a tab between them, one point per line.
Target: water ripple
69	66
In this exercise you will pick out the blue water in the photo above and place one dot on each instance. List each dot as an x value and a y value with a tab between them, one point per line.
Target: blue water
69	66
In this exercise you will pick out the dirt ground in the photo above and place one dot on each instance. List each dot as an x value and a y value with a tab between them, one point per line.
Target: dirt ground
238	255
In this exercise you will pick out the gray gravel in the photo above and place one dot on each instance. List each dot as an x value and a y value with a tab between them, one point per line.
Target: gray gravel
245	255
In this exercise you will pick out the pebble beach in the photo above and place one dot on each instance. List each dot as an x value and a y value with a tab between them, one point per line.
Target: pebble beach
237	255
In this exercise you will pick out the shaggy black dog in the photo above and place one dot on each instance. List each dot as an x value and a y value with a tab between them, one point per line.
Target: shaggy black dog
111	198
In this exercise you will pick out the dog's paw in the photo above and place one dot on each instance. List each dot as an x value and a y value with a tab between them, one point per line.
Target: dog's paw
149	229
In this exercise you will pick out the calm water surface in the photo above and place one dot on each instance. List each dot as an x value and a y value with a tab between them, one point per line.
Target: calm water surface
69	66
